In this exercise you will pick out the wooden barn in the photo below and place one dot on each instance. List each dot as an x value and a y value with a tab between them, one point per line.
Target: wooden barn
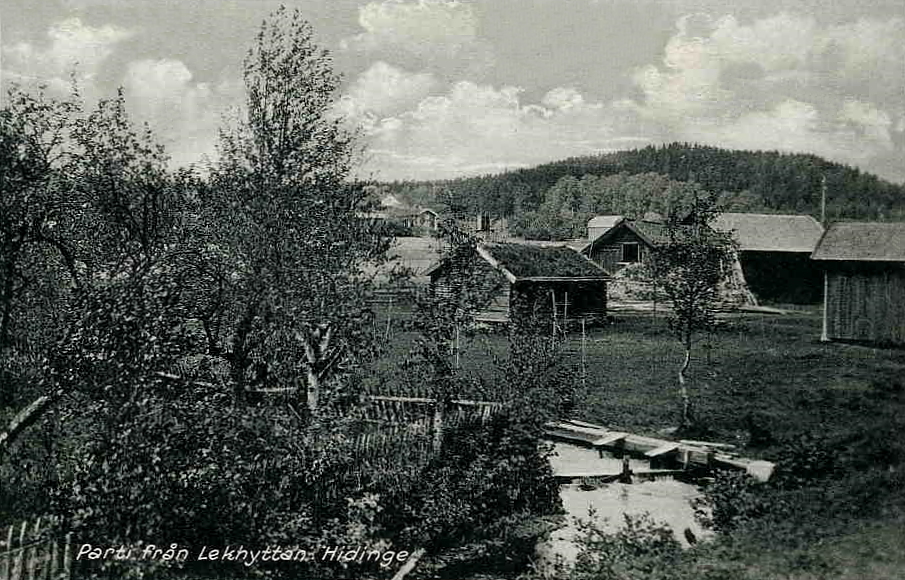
533	284
626	242
774	252
864	282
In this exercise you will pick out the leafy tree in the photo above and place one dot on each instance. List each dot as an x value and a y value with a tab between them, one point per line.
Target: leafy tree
689	270
570	203
38	264
286	294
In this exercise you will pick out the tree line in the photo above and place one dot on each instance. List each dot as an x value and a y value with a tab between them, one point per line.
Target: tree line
754	181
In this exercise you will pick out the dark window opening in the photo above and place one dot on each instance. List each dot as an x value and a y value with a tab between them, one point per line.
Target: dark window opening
630	253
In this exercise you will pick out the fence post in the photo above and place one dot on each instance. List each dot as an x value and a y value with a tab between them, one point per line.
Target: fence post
7	557
67	557
33	552
51	573
437	425
19	562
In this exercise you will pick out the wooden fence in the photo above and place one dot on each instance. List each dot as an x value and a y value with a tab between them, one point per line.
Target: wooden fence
401	435
394	409
34	553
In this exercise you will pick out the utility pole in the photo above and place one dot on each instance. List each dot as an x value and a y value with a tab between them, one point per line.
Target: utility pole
823	201
824	331
584	368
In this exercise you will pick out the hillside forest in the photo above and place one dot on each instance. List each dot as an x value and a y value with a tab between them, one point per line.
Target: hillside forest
555	200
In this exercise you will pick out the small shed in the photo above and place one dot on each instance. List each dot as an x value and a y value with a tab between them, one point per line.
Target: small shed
864	282
774	252
533	284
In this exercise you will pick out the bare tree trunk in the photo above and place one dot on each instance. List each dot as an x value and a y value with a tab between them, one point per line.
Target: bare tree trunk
312	389
239	357
317	345
683	386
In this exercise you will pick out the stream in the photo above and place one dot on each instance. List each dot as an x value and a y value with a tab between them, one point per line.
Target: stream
666	500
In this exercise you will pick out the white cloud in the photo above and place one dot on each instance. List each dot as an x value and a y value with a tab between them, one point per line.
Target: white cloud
185	115
782	82
73	48
384	90
563	98
438	36
420	27
873	123
474	129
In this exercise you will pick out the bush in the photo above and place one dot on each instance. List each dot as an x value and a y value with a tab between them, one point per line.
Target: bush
489	488
732	500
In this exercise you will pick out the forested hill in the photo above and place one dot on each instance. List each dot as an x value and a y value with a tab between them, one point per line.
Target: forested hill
765	181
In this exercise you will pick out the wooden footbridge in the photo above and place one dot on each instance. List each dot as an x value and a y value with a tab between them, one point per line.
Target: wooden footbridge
666	458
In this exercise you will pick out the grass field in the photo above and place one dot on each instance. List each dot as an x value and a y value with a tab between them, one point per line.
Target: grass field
769	372
763	382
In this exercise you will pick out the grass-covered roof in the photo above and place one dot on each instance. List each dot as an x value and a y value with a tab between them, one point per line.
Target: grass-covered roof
525	261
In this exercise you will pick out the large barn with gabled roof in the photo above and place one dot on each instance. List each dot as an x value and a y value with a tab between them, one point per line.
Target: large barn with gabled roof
774	252
864	282
534	284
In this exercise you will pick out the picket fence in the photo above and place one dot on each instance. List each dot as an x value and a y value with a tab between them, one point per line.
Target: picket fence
34	553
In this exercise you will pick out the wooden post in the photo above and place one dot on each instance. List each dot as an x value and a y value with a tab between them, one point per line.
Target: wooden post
823	201
437	425
35	550
457	347
584	368
7	558
19	562
825	331
67	557
565	314
54	555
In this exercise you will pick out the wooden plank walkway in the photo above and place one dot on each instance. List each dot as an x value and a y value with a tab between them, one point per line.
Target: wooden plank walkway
689	455
599	477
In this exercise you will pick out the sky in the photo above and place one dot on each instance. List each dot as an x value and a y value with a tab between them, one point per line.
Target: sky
443	88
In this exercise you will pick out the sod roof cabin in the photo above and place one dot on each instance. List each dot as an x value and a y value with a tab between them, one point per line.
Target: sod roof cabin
530	285
864	282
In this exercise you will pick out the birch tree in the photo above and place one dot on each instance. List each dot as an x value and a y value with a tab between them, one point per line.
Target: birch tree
689	270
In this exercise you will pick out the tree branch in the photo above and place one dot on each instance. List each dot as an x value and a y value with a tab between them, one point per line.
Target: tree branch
25	418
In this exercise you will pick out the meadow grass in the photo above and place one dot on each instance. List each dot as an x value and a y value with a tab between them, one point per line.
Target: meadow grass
762	382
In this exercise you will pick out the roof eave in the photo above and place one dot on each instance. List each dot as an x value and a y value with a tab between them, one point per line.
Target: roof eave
857	259
563	279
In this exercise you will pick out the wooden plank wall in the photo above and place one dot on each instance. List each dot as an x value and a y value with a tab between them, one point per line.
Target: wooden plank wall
608	256
867	304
